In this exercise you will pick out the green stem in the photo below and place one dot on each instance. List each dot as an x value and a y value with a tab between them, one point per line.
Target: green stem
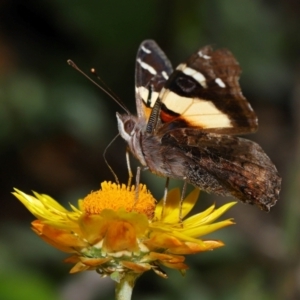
125	286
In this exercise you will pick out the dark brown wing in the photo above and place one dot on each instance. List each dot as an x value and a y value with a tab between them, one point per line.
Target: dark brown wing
227	165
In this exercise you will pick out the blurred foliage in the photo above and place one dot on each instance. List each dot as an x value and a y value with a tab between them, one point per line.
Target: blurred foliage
55	125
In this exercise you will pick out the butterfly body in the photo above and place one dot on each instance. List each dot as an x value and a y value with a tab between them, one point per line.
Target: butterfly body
186	122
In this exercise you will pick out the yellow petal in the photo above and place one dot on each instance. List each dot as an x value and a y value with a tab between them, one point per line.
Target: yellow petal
208	216
74	259
47	209
196	220
162	240
58	238
31	203
178	266
206	229
120	236
50	202
172	203
192	248
79	267
94	262
172	208
136	267
212	244
166	257
93	227
190	201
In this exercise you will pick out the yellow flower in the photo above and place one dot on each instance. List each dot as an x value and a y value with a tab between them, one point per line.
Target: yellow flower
115	233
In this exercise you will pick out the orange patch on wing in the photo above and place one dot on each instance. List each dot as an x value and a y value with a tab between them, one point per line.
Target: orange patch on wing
166	118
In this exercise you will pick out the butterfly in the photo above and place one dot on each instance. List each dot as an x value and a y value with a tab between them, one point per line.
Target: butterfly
186	124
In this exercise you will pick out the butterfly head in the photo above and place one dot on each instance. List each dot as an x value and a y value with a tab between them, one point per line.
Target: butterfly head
131	128
127	126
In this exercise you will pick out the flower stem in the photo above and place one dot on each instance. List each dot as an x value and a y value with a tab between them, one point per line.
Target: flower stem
125	286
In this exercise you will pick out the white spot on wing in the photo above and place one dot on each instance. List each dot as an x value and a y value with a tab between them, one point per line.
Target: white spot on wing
146	67
203	55
162	91
196	75
249	106
144	94
181	67
164	74
145	49
220	82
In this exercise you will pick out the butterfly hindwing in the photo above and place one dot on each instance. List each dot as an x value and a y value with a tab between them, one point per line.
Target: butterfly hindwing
225	164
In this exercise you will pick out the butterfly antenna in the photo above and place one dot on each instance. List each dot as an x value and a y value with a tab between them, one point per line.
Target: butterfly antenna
108	165
105	89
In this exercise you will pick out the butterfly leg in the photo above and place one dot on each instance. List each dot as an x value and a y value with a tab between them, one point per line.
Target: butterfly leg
181	201
130	175
137	186
108	165
137	183
165	196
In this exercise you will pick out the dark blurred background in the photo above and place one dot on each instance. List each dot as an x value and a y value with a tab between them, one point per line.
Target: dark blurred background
55	125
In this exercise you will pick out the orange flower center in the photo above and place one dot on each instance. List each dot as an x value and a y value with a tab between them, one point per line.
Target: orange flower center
114	196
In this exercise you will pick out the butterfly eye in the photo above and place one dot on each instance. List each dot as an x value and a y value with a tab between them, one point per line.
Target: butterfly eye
129	126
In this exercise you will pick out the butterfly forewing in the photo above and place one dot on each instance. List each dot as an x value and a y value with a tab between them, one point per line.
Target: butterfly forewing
204	92
152	71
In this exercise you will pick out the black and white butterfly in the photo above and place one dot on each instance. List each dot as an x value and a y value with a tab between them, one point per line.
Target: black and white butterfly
186	121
